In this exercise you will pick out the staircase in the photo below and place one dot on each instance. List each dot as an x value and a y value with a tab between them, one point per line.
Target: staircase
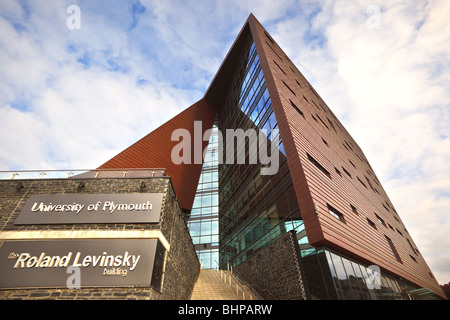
220	285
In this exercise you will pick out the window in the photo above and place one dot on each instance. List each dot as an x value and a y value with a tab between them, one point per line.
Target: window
274	51
370	222
354	209
318	165
348	173
380	220
298	83
296	108
325	142
331	124
279	67
391	244
412	248
335	213
315	104
414	259
337	171
321	119
361	182
370	185
289	88
268	37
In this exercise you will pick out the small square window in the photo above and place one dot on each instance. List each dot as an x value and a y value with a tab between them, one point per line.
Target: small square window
354	209
394	251
337	171
288	88
348	173
371	223
380	220
335	213
296	108
318	165
268	37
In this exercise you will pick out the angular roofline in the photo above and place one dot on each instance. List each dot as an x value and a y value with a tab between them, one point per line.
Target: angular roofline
221	73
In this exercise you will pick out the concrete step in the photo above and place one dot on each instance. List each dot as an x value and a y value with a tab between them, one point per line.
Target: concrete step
214	285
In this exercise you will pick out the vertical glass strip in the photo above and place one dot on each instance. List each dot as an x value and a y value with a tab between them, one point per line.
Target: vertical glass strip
203	222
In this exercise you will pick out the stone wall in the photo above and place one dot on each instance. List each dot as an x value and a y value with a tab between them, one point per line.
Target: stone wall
181	265
274	272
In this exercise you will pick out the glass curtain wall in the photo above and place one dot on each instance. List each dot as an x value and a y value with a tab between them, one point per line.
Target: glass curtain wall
203	222
356	281
255	209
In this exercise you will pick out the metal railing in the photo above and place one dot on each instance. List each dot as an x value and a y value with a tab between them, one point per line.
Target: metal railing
228	278
83	173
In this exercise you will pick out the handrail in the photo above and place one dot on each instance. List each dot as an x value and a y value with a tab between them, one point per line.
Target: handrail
238	284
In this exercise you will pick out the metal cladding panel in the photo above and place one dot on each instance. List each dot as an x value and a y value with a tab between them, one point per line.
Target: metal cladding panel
155	149
329	169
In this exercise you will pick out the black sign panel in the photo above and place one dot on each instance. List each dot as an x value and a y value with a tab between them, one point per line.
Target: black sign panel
91	208
81	263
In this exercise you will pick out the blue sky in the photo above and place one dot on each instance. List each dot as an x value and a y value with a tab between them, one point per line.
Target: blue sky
73	98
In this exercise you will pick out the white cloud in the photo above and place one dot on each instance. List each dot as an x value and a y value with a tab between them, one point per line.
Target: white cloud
68	105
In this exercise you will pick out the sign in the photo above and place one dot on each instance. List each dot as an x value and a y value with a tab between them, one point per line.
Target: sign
91	208
99	262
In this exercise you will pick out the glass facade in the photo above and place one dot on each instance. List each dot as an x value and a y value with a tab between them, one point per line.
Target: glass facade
331	275
203	222
356	281
254	209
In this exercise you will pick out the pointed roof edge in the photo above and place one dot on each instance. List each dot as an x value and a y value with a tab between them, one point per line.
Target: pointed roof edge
230	58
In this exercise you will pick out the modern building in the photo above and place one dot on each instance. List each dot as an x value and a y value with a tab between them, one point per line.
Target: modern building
271	185
352	242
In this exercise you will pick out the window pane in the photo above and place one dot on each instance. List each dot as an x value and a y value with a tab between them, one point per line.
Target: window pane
347	292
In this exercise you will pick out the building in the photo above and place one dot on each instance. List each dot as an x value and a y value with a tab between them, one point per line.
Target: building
309	221
446	289
325	190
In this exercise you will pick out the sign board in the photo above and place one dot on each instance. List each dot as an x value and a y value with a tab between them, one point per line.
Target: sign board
91	208
81	263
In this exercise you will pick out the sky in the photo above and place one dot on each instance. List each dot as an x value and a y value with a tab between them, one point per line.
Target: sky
76	88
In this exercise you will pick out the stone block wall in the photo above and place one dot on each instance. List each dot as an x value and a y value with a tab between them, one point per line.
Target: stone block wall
181	265
274	272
